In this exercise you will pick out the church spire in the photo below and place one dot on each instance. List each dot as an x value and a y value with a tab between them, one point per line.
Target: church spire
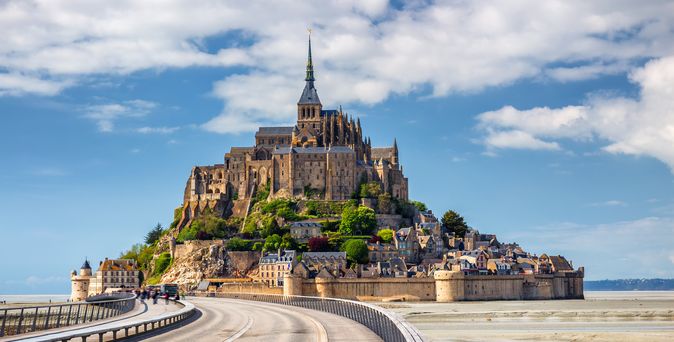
310	64
309	95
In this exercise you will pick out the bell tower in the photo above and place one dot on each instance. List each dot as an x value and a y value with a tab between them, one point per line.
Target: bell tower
309	106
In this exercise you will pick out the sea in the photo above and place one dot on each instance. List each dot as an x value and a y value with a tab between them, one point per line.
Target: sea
34	298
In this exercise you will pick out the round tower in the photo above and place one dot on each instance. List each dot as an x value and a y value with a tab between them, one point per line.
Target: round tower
79	284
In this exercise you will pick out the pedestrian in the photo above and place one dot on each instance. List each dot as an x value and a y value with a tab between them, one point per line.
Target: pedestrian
166	297
177	296
155	296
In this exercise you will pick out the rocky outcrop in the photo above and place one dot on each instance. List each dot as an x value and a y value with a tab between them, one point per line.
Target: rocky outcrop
197	260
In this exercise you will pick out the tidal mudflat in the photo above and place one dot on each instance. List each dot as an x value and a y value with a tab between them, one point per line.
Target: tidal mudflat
602	316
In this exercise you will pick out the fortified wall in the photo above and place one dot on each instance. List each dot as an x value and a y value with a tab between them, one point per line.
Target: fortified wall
445	286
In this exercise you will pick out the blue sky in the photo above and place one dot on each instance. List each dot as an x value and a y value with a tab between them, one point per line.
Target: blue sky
549	124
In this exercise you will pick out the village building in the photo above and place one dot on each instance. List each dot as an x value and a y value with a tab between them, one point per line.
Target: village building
333	262
302	231
273	266
405	240
112	275
381	251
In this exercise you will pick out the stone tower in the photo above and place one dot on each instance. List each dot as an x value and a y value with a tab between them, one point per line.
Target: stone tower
79	284
309	106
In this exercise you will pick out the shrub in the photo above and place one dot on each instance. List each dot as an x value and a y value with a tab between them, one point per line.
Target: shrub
361	220
319	244
370	190
386	235
237	244
419	205
162	263
356	251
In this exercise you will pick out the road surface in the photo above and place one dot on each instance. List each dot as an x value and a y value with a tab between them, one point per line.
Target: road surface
222	319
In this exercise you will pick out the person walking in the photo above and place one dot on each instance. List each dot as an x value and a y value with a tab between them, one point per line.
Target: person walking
166	297
155	297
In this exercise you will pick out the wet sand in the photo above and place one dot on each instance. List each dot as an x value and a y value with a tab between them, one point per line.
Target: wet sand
602	316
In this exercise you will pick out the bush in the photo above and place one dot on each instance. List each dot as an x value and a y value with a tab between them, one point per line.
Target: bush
356	251
386	235
162	263
361	220
140	253
330	226
237	244
209	226
370	190
319	244
261	194
419	205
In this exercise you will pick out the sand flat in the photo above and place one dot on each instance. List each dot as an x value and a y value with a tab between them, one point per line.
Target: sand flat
602	316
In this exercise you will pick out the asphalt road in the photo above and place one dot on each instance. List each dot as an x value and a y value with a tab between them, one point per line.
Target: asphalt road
229	320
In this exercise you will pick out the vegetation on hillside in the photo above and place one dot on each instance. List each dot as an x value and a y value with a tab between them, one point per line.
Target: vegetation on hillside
454	223
358	220
356	251
209	226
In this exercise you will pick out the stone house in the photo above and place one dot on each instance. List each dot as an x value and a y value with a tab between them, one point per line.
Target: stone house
381	251
407	243
431	247
302	231
498	267
273	266
334	262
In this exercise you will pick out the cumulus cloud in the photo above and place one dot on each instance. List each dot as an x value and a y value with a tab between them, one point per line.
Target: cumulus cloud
642	126
105	115
364	50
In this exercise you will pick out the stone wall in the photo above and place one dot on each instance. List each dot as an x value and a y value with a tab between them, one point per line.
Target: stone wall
249	288
455	286
192	245
447	286
363	288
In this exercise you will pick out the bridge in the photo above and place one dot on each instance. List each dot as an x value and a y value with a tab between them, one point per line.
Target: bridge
240	316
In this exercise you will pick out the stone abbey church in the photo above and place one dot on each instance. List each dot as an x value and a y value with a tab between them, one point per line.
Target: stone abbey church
325	154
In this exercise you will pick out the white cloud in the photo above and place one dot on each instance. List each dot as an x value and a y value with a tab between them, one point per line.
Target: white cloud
643	126
158	130
105	115
19	84
625	249
609	203
364	51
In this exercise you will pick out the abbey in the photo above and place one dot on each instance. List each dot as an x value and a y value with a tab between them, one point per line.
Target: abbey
325	156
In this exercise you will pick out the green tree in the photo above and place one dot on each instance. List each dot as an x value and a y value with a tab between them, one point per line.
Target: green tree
272	242
370	190
454	223
257	246
419	205
356	251
386	235
154	234
287	242
238	244
361	220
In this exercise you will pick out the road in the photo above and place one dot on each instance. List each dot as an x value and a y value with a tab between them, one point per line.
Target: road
228	320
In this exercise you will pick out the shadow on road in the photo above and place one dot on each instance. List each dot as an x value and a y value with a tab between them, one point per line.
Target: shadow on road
143	336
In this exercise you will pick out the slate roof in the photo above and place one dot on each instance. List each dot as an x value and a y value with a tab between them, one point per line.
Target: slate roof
305	224
309	94
262	131
326	255
86	265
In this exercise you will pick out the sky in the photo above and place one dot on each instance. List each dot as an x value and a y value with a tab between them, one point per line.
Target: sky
548	123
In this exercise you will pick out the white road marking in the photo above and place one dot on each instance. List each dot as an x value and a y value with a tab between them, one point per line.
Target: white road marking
241	331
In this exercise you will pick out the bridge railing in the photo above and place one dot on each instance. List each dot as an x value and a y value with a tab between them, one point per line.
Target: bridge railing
20	320
386	324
